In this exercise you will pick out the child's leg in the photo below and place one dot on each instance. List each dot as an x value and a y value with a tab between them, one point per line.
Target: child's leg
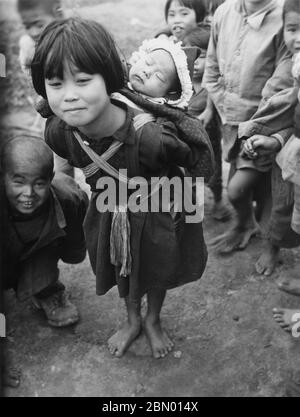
124	337
159	340
280	234
220	211
240	191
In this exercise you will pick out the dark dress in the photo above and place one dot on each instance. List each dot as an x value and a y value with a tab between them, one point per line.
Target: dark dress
164	254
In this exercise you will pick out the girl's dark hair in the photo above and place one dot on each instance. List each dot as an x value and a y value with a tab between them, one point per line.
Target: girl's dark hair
198	36
81	44
291	6
51	7
197	5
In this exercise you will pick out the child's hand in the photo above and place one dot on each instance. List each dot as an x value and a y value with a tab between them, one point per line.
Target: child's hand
248	151
206	116
259	145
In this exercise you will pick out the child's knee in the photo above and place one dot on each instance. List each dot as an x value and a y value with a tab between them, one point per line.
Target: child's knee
235	192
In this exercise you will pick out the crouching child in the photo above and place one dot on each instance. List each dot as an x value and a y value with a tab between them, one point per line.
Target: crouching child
42	218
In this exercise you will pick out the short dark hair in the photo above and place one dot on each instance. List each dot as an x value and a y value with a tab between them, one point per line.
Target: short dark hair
197	5
84	44
291	6
51	7
33	145
198	36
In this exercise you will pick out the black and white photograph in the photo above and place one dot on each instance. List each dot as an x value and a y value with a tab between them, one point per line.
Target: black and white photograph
149	201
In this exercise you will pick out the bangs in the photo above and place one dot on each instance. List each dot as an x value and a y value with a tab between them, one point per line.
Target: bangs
72	52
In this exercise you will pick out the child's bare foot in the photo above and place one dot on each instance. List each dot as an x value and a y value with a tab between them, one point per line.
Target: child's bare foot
235	239
286	318
11	377
160	342
220	211
291	286
267	261
123	338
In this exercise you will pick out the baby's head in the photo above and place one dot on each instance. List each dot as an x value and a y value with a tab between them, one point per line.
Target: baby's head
184	15
291	19
161	68
198	37
27	168
37	14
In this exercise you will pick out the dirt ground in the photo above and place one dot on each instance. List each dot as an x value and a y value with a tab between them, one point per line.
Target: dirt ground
226	341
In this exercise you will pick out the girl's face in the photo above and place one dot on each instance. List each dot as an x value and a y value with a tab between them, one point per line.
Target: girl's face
79	99
180	19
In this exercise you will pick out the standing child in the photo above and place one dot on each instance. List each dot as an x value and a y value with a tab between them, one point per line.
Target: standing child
247	77
199	37
76	67
182	16
35	16
289	157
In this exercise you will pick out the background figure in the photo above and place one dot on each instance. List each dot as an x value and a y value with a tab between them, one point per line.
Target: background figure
35	16
199	37
182	16
247	77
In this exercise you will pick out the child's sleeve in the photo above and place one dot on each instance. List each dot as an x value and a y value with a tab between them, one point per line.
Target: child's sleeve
26	52
212	77
55	136
279	98
160	146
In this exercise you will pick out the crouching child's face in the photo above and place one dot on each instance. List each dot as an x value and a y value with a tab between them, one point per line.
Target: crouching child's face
27	179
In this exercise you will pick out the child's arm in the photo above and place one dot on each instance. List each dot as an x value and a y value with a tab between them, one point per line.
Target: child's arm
26	52
259	145
206	116
279	98
212	76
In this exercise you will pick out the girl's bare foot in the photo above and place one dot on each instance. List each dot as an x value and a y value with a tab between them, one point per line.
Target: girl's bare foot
291	286
286	318
267	261
160	342
235	239
220	211
123	338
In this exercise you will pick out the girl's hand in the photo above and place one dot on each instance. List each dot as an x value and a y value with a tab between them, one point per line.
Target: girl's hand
206	117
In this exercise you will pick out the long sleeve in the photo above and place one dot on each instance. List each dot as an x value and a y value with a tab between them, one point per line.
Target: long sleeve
212	77
279	98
